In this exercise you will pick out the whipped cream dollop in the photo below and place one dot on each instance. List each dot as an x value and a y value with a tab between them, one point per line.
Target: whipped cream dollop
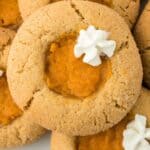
137	136
1	73
93	44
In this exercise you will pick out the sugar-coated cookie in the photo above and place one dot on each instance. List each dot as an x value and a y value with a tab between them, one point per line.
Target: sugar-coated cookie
142	36
59	90
6	37
112	138
126	8
15	127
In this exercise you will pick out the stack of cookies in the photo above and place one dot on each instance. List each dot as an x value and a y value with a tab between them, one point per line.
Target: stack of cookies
78	68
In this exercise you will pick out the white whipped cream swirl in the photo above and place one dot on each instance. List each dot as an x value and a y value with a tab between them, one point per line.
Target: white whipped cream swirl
137	136
94	43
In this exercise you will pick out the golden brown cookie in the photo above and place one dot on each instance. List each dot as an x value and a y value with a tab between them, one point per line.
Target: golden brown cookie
110	138
15	127
9	13
49	30
126	8
6	37
142	36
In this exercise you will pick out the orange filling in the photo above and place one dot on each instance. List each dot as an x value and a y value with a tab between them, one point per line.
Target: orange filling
68	75
111	139
8	109
9	12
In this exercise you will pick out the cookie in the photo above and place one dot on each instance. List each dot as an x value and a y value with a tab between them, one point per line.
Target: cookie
116	83
142	36
9	13
15	127
111	138
126	8
6	37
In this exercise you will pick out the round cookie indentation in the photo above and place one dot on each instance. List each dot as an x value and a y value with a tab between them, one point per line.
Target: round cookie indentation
9	13
64	72
26	68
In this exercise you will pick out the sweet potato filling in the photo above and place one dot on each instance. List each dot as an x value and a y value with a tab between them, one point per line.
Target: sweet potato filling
9	12
68	75
8	109
110	139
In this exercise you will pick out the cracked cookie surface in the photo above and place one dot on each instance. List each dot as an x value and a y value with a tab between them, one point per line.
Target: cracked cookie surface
15	127
142	36
8	109
126	8
6	37
110	138
26	68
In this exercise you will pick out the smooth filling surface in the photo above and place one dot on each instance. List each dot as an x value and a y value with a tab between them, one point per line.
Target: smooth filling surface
9	12
8	109
68	75
110	139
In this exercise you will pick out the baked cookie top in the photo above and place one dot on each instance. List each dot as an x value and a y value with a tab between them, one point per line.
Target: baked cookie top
9	13
6	37
142	31
15	127
111	138
27	68
8	109
142	36
7	114
126	8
